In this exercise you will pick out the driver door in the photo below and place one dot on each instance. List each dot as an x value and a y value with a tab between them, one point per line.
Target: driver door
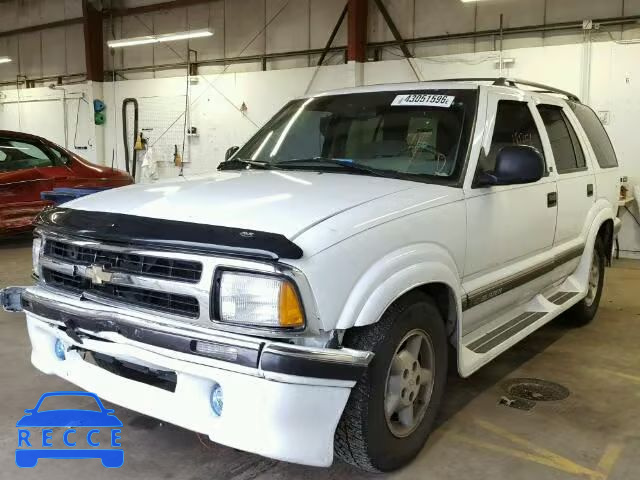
510	228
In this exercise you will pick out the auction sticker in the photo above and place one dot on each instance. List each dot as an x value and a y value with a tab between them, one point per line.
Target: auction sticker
423	100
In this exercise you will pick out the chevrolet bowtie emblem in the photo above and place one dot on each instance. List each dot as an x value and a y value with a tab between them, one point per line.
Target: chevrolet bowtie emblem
97	275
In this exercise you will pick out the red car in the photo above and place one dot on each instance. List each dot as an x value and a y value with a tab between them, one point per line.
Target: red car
30	165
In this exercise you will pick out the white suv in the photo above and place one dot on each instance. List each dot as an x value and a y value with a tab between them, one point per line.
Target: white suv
304	299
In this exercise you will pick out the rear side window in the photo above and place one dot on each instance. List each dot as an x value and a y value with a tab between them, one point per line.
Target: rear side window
598	137
21	155
565	145
514	126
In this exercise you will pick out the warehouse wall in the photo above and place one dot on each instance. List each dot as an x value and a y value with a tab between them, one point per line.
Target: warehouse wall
302	24
307	23
63	115
51	52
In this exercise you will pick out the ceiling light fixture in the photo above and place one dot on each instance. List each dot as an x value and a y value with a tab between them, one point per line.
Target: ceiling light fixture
164	37
5	59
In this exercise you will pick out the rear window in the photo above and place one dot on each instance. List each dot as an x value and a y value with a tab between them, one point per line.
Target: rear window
598	137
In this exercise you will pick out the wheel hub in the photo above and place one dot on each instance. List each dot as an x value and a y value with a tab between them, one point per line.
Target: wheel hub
409	383
594	280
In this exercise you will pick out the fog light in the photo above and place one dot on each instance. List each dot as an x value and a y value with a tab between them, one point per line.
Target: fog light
217	351
59	348
216	399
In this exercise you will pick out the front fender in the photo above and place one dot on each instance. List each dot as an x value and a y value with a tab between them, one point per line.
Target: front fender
396	274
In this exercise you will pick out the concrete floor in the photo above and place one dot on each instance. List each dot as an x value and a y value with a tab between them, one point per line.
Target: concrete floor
593	434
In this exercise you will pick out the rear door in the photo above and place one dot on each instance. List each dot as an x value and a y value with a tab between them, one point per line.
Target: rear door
576	181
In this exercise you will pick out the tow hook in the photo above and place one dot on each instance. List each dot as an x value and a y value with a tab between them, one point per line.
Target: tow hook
11	298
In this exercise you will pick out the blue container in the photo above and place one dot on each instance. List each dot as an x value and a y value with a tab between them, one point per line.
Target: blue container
63	195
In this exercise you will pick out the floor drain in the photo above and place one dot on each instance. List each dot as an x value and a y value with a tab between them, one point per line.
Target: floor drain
535	390
517	403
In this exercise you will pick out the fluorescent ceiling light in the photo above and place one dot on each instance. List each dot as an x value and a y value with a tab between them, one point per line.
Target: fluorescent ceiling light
5	59
165	37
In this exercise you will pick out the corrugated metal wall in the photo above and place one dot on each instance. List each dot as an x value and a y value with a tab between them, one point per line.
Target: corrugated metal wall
302	24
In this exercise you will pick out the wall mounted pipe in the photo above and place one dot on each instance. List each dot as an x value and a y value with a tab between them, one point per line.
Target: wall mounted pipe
130	167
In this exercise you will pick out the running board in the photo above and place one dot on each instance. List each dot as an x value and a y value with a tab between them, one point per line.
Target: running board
560	298
480	346
504	332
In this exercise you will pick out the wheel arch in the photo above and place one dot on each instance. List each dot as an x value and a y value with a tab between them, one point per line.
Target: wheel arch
429	269
605	232
602	226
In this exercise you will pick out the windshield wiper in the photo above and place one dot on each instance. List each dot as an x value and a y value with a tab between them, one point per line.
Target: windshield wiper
236	163
345	164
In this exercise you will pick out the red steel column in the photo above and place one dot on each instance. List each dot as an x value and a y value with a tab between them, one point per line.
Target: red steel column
357	32
93	48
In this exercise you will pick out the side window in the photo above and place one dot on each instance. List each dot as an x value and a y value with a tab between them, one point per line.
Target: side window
598	137
565	145
20	155
514	126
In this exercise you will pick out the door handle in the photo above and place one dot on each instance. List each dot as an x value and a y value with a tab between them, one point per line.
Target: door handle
590	190
552	199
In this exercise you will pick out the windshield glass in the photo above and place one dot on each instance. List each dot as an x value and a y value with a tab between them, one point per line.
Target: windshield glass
416	134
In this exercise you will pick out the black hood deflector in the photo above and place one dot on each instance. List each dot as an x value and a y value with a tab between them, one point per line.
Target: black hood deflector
172	235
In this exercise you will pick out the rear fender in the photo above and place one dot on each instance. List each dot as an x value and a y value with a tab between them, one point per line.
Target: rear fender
582	272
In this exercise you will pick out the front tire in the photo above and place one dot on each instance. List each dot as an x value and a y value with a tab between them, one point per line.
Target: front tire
584	311
392	408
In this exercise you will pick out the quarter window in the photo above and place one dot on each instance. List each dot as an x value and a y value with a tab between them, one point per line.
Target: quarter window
565	145
597	135
514	126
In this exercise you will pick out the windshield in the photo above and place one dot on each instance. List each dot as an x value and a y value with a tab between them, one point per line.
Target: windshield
416	134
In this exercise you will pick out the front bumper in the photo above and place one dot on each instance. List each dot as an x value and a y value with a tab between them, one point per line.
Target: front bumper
281	401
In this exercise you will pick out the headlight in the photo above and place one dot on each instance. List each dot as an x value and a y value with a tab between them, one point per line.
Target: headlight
36	249
258	300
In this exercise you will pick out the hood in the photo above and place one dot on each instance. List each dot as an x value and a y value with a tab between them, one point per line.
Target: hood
283	202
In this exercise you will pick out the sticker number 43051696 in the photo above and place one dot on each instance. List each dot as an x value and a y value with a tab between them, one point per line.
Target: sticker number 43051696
423	99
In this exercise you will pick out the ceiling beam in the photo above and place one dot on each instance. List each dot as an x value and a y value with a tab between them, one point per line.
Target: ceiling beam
155	7
333	34
42	26
394	29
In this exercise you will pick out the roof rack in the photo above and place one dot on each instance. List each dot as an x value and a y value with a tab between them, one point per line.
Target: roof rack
510	82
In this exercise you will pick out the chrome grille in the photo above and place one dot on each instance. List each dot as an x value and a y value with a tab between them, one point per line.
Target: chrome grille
181	305
99	270
114	261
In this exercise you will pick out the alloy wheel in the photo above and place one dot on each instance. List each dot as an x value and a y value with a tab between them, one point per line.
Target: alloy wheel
410	382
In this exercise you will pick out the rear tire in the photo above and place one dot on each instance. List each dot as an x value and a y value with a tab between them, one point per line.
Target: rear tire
373	435
584	311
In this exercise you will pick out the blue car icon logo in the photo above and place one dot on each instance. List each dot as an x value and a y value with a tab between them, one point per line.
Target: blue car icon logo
33	444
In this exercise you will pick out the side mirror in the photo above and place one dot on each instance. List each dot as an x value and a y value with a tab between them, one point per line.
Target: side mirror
230	152
515	164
